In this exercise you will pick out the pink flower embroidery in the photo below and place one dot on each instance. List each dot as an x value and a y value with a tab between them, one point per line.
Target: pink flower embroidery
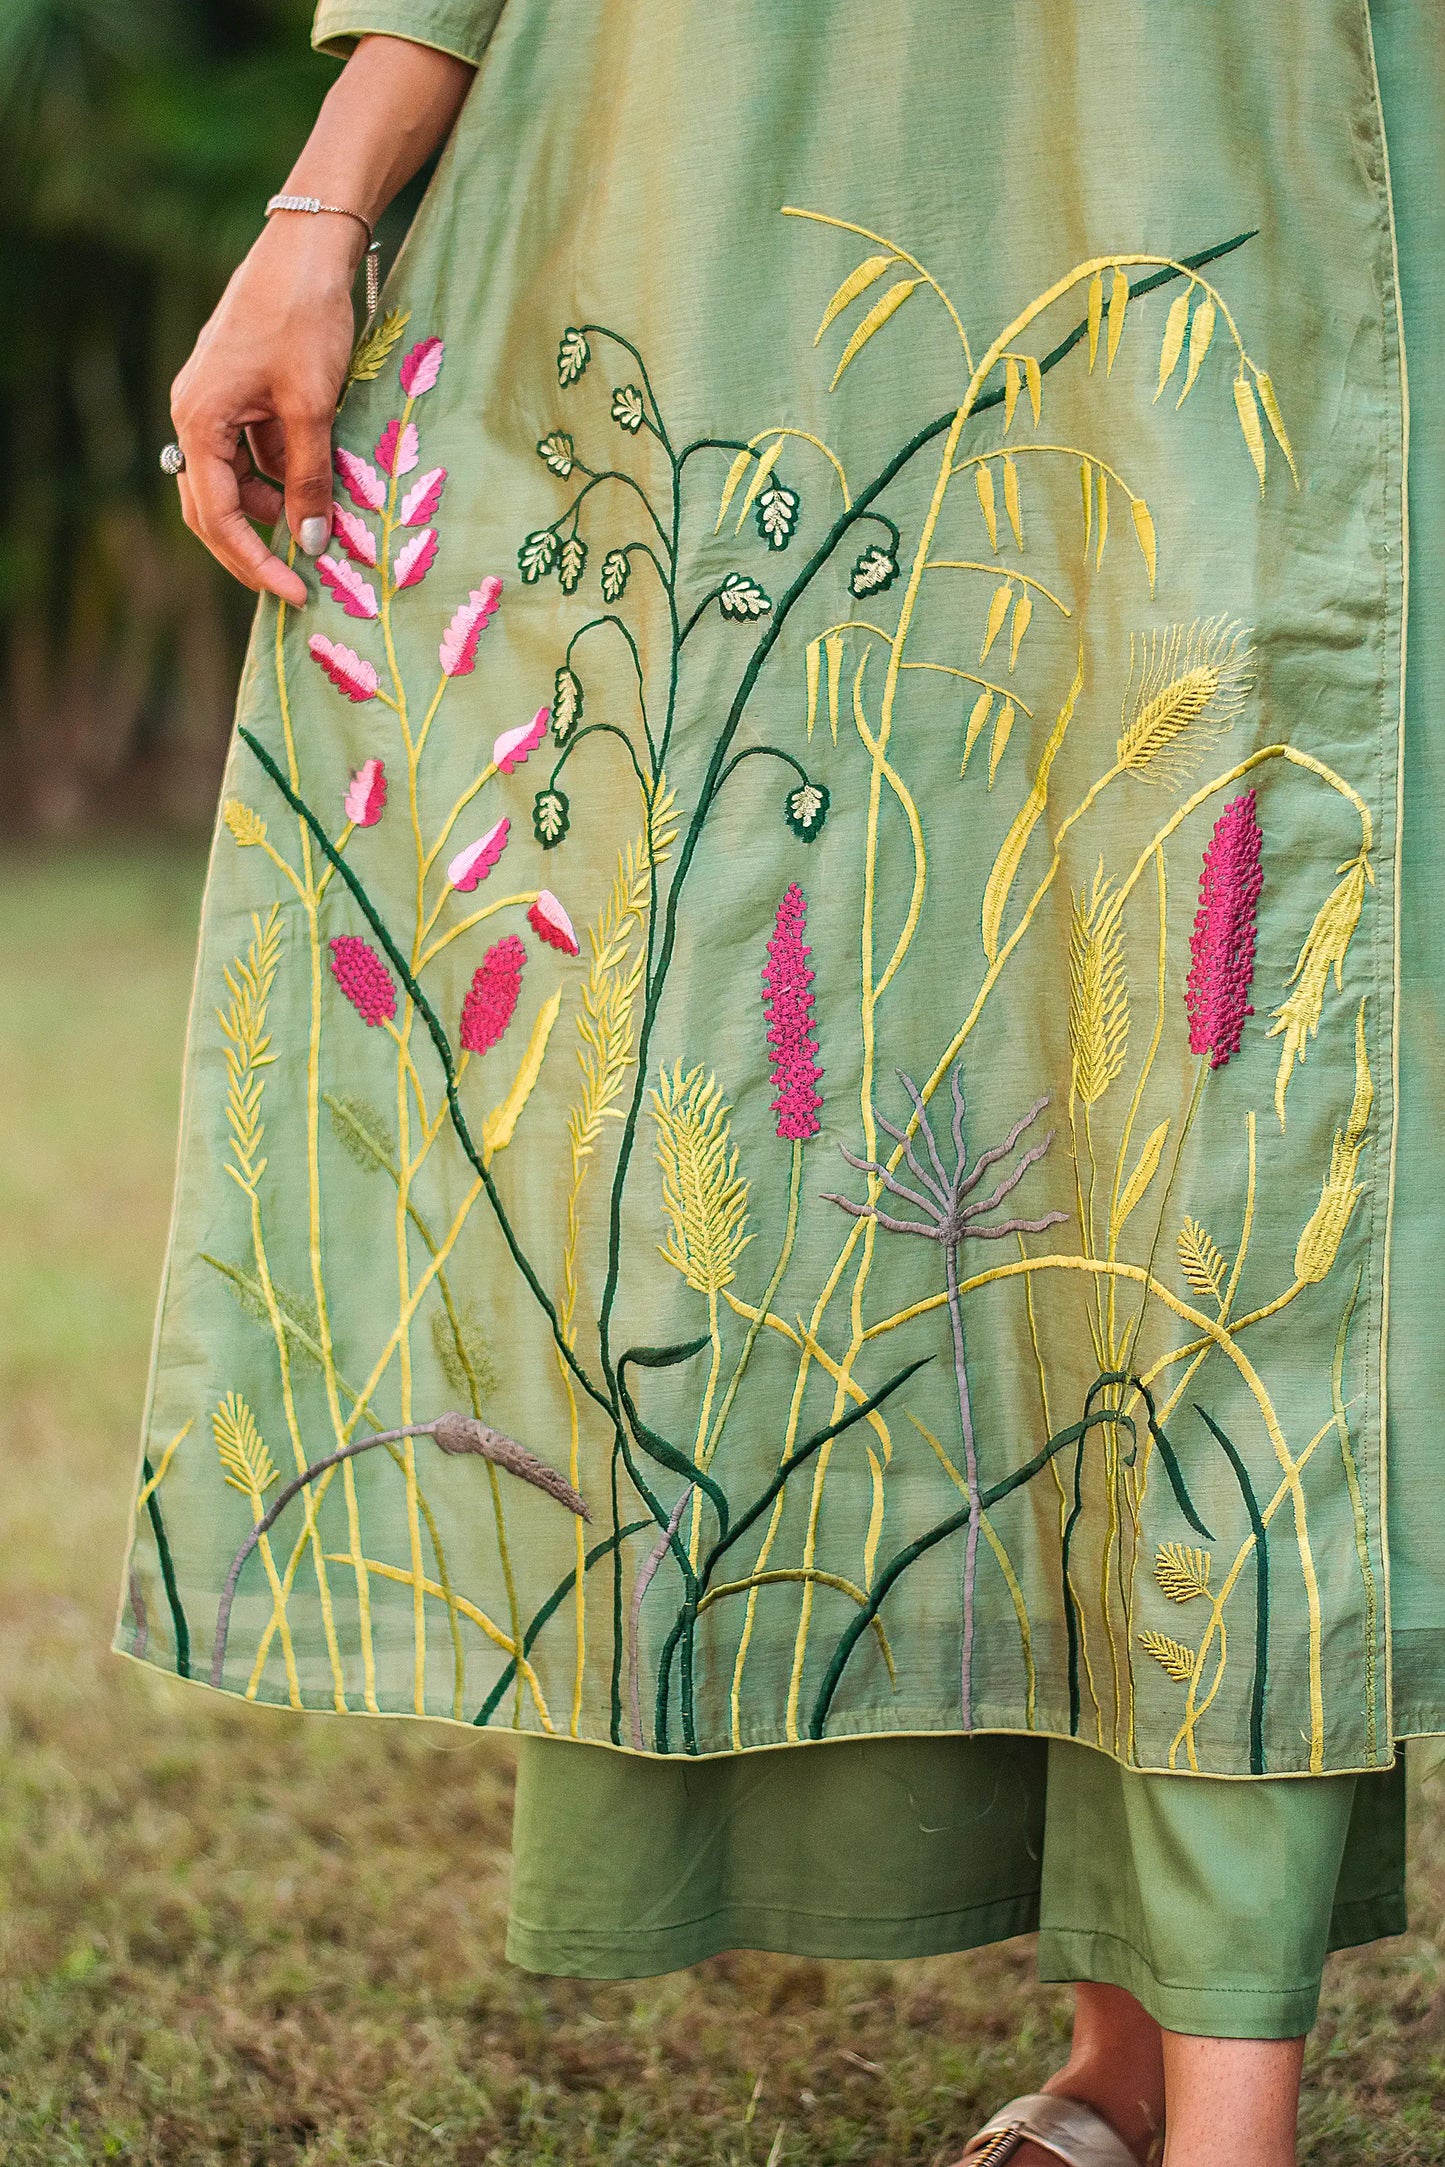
361	482
348	671
492	998
421	367
354	535
363	978
396	451
788	1006
458	650
1222	943
356	595
366	799
473	864
550	923
513	746
415	559
421	500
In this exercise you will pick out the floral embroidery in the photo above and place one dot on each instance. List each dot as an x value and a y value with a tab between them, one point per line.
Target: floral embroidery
348	671
549	921
356	595
458	649
788	1005
1089	1261
492	996
1222	943
513	746
363	978
472	865
366	798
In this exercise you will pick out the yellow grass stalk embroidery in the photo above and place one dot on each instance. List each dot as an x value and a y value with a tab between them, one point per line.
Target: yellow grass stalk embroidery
704	1197
1098	991
1325	948
1319	1243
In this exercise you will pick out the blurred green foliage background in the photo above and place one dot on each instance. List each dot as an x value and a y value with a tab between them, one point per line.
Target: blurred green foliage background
139	140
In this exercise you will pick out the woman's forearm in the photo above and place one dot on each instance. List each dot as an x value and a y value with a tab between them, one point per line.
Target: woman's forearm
391	106
269	365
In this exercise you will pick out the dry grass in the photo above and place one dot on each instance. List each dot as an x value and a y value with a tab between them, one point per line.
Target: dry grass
239	1936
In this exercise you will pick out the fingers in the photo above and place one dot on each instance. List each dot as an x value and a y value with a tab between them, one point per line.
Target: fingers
267	440
308	475
213	507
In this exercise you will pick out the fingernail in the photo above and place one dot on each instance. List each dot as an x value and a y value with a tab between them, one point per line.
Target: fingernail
314	535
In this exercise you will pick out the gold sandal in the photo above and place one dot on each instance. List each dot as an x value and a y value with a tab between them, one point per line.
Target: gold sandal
1076	2134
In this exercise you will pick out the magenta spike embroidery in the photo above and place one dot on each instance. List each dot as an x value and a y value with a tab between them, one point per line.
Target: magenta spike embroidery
788	1005
363	978
1216	998
492	997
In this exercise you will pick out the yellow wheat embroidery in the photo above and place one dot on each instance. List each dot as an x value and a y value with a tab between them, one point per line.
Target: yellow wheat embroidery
1186	687
1320	1242
246	826
1172	1656
1325	947
249	1468
1098	991
1200	1261
704	1196
249	980
248	1465
1182	1573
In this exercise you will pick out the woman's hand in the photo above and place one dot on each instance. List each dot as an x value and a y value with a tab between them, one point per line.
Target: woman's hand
254	405
258	397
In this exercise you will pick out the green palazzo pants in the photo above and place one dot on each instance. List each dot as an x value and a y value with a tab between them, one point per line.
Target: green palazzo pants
1213	1901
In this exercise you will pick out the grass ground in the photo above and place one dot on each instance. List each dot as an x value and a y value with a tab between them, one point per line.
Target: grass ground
237	1936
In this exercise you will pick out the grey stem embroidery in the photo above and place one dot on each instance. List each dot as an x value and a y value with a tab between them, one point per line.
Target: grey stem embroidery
950	1218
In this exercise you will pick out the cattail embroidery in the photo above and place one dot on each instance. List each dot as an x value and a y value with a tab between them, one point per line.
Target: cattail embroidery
363	978
788	1005
492	997
1221	945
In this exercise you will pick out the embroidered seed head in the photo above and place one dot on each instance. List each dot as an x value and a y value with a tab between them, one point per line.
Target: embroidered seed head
1221	945
788	1006
1186	687
363	978
492	997
704	1196
1319	1244
1098	991
1325	948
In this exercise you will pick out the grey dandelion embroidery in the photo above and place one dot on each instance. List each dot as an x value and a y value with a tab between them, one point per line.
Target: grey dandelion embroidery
950	1214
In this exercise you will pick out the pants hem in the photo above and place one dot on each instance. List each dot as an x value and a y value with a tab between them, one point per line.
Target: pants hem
779	1932
1071	1955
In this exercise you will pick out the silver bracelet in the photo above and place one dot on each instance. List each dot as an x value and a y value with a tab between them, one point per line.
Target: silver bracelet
340	210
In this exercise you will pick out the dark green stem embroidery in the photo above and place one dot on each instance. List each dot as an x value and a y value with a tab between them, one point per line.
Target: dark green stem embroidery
1261	1591
168	1576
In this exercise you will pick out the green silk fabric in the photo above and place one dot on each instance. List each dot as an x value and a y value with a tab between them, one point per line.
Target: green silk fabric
851	1010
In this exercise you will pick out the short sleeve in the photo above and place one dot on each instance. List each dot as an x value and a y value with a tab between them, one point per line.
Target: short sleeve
461	27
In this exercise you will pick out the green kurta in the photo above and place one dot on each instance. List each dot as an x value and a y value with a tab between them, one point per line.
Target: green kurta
849	1006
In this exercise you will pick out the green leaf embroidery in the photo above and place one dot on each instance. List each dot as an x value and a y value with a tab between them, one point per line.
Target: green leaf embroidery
742	598
573	355
558	453
537	555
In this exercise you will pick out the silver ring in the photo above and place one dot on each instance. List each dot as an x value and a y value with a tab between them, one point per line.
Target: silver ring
173	460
